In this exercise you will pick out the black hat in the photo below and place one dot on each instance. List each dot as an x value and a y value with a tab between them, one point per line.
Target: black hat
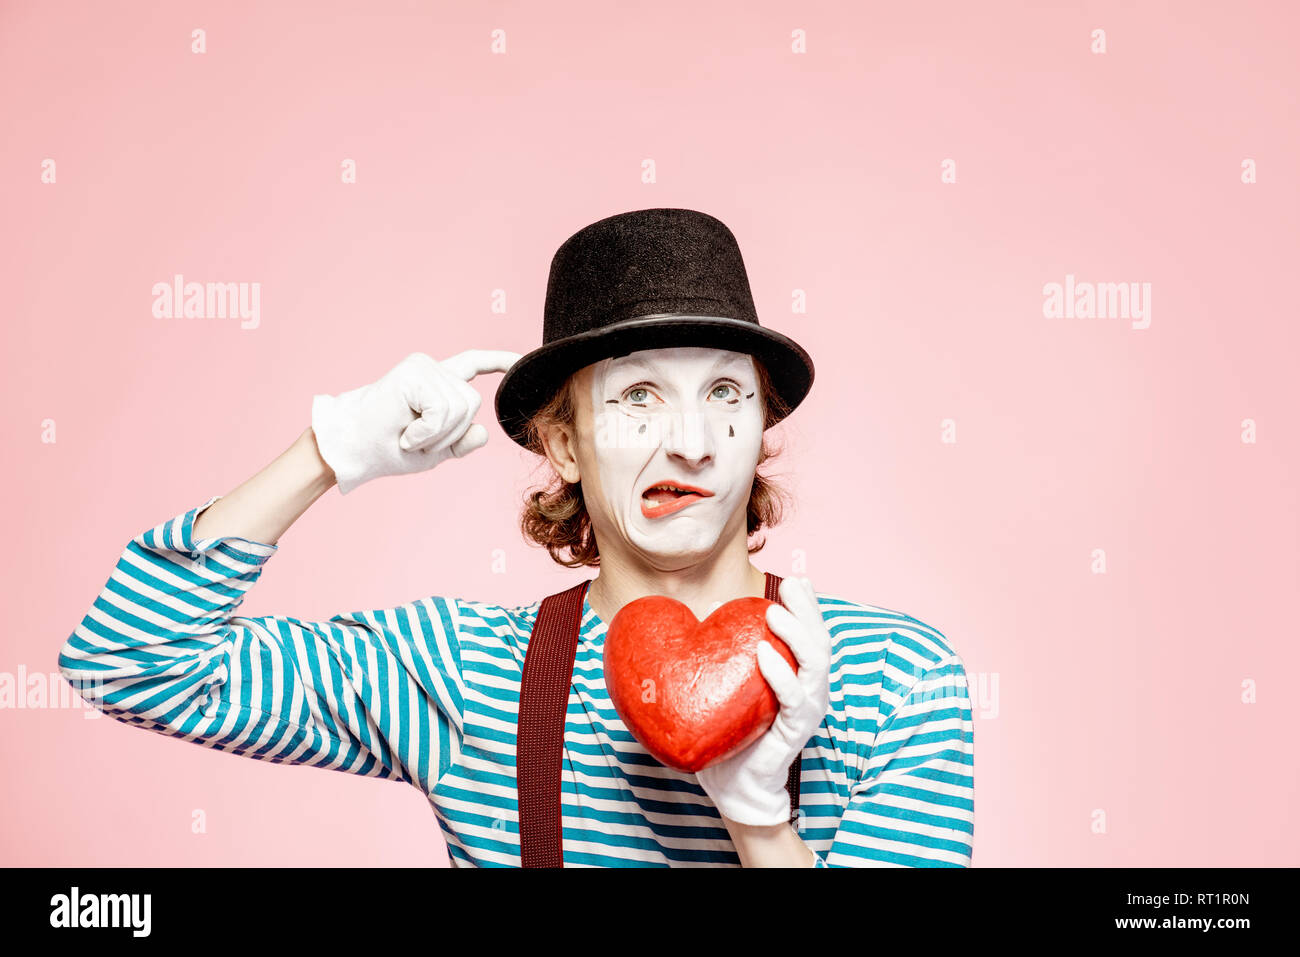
646	279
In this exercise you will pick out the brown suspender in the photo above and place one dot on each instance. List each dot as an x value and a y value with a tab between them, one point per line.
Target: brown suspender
543	703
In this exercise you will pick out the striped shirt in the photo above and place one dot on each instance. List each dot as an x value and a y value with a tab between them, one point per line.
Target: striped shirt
428	693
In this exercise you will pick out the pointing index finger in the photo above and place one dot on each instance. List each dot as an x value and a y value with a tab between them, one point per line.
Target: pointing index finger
466	365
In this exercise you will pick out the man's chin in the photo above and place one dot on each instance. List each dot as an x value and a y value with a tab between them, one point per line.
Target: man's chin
675	552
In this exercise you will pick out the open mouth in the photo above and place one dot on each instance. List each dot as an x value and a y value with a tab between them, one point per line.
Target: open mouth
665	498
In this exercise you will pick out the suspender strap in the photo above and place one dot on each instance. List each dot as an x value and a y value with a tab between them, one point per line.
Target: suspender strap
543	704
792	782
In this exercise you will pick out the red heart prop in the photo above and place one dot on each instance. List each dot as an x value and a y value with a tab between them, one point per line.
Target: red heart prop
690	691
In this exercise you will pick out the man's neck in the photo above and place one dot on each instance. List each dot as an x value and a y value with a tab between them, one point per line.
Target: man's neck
699	587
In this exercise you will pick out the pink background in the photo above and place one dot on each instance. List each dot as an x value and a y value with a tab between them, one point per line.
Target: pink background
1120	692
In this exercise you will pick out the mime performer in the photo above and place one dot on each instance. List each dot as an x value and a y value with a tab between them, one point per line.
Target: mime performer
650	398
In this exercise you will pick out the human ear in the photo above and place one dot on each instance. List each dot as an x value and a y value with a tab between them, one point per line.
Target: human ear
561	447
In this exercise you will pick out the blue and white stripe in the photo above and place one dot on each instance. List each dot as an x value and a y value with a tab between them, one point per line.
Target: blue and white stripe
427	693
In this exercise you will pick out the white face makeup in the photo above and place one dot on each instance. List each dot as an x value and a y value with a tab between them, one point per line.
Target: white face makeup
689	417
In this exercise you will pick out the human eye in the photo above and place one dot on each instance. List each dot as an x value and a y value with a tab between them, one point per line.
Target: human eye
640	395
727	391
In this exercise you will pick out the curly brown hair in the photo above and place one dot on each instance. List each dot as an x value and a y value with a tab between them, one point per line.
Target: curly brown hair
555	515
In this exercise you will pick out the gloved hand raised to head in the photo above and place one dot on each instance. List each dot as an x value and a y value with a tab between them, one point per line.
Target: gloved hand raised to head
419	414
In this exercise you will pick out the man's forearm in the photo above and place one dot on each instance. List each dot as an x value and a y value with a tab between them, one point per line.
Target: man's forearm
774	846
263	508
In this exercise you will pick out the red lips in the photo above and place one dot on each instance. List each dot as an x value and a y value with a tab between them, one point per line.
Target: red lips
665	502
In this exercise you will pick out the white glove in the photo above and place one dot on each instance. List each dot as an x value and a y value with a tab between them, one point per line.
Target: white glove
749	787
416	416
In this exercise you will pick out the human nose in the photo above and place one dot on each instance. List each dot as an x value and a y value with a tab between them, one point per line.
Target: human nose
690	438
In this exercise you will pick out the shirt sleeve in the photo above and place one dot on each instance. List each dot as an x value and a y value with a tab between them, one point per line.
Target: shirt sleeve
375	693
915	804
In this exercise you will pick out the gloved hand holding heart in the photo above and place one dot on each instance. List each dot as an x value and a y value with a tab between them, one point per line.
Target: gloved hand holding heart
691	691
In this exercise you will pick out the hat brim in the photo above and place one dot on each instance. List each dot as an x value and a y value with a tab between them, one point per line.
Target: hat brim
531	382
